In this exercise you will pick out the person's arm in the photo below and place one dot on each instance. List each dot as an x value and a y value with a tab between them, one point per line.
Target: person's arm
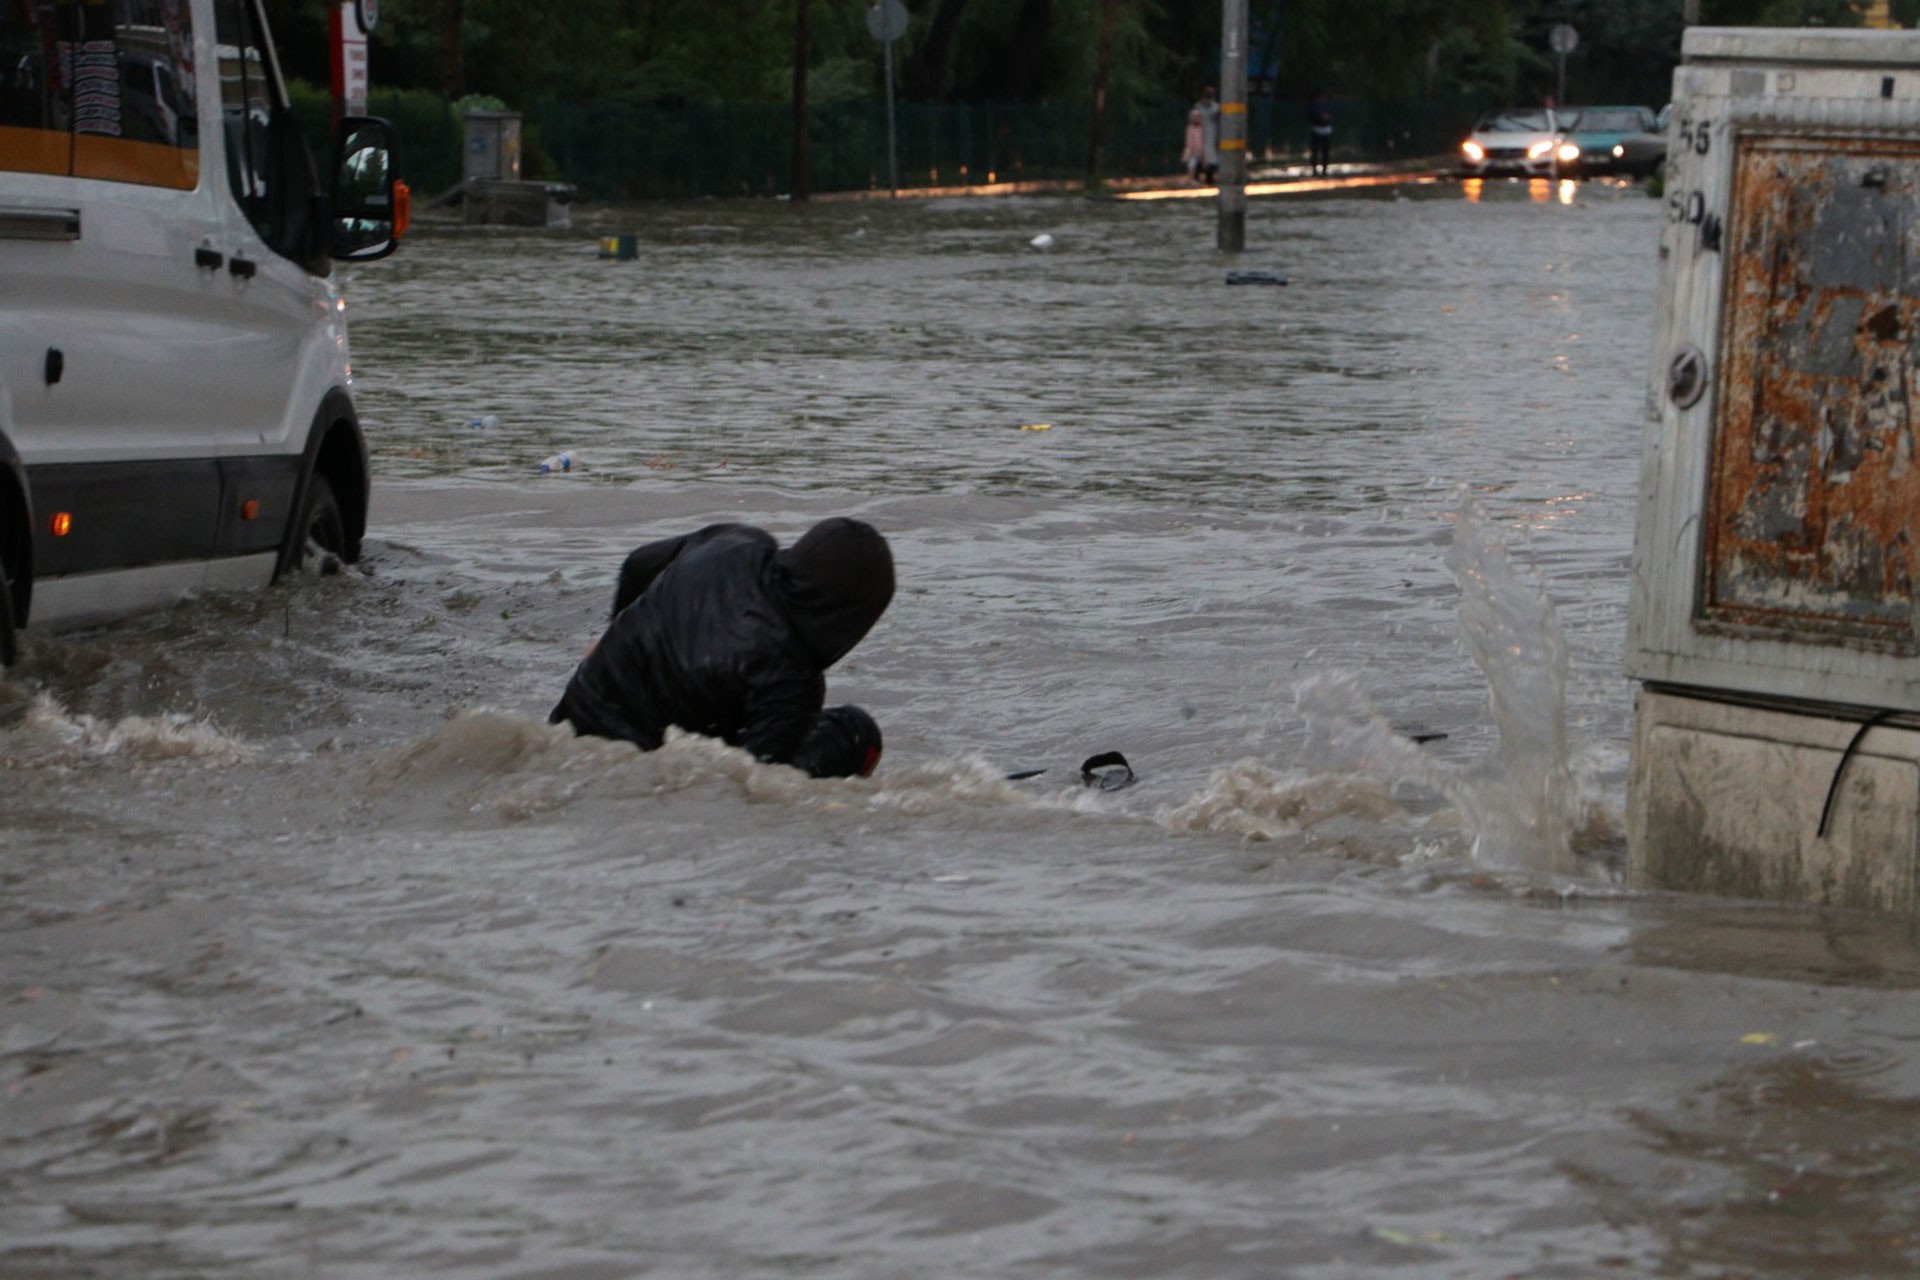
642	566
645	563
780	711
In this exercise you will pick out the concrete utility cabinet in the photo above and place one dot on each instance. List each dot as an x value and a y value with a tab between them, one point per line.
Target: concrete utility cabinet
491	186
1775	620
492	146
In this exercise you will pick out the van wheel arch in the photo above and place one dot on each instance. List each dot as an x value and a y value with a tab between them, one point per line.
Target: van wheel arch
336	452
16	550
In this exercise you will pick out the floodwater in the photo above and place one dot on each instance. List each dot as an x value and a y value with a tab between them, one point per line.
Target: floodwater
322	956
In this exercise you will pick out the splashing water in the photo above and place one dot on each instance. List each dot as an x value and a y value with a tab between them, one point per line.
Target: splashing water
1526	808
1526	811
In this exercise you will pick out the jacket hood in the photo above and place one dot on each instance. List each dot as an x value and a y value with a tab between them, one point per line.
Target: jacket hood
833	585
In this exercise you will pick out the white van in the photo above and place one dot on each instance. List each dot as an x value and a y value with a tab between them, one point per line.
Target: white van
174	407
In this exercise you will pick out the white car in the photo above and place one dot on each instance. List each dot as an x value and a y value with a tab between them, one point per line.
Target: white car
174	386
1527	143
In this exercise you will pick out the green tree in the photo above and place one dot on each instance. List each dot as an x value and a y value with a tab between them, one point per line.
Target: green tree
1399	48
1627	50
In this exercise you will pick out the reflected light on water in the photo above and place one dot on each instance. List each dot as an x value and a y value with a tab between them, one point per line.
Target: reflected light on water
1567	187
1291	187
1551	511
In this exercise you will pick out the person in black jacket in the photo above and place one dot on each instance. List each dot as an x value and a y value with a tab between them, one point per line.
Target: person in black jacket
1320	130
724	634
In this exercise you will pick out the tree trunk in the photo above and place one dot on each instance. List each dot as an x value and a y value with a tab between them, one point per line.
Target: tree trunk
453	70
802	174
924	78
1027	67
1097	130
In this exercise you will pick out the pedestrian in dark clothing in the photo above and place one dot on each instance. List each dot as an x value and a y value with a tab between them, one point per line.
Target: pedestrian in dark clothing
1320	129
724	634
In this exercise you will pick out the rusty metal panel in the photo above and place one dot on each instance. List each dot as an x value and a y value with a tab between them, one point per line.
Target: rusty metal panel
1813	503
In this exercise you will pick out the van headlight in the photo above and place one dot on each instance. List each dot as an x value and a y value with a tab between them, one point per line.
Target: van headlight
1568	153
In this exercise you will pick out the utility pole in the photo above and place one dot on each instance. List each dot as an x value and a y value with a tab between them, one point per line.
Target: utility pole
1233	126
802	173
1096	133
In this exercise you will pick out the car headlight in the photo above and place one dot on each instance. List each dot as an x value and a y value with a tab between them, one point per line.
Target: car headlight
1568	152
1473	151
1619	151
1539	150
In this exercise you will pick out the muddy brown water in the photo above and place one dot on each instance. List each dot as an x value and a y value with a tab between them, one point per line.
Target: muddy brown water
321	955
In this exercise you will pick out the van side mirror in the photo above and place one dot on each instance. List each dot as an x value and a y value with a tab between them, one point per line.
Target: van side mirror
371	206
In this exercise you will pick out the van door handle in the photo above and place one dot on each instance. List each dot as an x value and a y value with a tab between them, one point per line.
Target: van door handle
209	258
242	267
39	224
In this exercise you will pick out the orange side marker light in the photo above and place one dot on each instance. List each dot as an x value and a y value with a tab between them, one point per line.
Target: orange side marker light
62	524
250	509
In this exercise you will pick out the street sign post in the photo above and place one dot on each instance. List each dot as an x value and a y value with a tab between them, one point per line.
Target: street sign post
1563	40
887	22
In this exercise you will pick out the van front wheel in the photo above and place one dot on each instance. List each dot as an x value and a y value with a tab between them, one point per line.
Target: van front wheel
8	651
323	533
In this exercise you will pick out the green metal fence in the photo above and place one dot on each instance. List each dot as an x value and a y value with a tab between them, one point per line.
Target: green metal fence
624	152
744	149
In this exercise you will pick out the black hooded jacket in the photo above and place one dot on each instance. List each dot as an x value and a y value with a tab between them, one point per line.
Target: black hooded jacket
723	633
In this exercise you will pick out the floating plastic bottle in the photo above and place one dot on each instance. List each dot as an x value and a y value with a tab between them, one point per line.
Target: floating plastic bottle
485	422
557	463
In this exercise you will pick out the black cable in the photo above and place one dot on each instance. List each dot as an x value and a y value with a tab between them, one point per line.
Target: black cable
1833	788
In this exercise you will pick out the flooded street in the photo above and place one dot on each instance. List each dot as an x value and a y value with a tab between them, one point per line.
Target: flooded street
321	955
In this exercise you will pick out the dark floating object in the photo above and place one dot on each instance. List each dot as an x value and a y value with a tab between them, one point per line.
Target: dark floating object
1419	733
1255	277
1108	771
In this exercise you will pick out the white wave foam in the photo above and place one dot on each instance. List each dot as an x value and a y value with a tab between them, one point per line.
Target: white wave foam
513	767
1251	800
939	785
49	729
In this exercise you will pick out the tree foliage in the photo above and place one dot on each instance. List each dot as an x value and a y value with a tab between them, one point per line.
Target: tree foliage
706	51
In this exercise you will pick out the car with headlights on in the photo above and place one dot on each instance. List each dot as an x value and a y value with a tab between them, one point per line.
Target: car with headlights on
1520	142
1600	135
1644	154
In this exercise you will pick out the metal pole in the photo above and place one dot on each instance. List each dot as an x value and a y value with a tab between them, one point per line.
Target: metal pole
893	163
1233	126
1560	98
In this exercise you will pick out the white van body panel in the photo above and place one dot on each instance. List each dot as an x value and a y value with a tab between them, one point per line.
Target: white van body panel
164	362
87	599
